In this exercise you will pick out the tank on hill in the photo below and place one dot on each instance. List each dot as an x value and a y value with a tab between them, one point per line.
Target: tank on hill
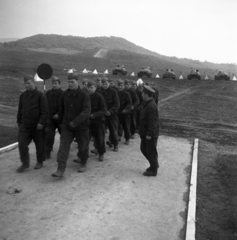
222	76
119	70
194	75
169	74
145	72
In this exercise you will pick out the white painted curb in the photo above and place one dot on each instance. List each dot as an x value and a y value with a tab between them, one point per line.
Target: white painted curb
191	216
9	147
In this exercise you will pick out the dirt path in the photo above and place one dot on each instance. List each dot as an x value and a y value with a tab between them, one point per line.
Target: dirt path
111	201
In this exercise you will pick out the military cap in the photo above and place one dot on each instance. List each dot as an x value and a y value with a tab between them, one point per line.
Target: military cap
84	80
90	83
110	80
98	79
72	76
120	81
29	77
133	82
127	81
55	79
104	79
147	89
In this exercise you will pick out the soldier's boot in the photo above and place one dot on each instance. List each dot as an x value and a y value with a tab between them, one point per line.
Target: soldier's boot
38	165
82	168
58	173
127	142
101	157
95	151
115	148
109	144
23	167
78	160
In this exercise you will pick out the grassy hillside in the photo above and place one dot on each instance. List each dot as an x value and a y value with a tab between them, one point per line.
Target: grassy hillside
118	49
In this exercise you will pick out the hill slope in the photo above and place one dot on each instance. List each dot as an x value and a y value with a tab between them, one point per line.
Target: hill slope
115	49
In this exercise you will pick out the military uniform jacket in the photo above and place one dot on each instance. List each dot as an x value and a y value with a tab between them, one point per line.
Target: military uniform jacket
54	101
112	101
149	119
32	108
134	98
125	102
75	107
98	109
139	94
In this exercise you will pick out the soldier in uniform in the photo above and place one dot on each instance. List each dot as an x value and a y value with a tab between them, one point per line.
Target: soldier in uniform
135	102
54	100
84	84
112	103
99	88
149	131
74	116
97	119
124	112
31	119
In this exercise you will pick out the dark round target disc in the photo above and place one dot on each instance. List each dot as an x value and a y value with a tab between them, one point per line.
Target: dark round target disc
44	71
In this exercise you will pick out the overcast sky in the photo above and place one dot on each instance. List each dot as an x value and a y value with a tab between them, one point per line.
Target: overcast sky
196	29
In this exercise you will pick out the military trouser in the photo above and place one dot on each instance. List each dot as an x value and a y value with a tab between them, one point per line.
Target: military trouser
138	117
148	149
112	124
66	138
124	125
98	132
133	124
50	129
25	136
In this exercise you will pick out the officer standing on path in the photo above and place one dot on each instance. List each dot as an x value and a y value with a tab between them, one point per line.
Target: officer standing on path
31	118
74	116
112	103
54	100
149	131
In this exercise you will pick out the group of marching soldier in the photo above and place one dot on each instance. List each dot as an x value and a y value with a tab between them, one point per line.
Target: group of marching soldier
86	112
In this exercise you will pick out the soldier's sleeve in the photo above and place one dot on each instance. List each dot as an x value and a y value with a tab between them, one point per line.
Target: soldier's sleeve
44	111
152	118
86	109
116	103
102	110
19	112
136	100
61	110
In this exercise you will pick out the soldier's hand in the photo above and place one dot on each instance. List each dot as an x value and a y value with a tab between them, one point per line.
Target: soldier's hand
108	113
39	127
55	116
71	124
148	137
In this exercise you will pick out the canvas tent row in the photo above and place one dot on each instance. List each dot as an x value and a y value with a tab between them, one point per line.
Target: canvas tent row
106	71
85	71
181	77
234	78
133	74
139	82
95	72
37	78
157	75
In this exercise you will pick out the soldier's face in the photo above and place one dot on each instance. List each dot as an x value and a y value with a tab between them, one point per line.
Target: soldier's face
98	83
133	86
30	85
120	87
92	89
72	84
56	85
127	86
105	85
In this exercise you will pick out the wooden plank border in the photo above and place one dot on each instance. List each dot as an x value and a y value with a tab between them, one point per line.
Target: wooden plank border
191	216
9	147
